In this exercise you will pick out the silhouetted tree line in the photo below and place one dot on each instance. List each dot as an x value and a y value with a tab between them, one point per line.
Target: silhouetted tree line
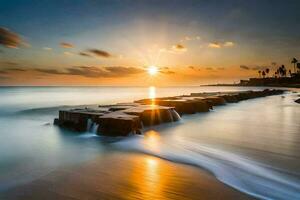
281	71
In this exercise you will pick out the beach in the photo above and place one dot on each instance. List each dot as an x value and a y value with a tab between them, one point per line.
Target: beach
126	176
238	151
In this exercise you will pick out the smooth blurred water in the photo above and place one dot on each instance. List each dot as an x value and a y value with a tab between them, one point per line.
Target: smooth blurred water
252	145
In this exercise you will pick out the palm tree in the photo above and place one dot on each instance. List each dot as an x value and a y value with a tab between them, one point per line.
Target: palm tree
263	74
283	71
294	61
267	71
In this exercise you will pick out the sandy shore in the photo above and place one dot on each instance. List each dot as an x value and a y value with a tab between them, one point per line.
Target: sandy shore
125	176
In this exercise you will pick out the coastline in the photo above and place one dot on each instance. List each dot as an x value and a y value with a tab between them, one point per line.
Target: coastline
263	86
139	177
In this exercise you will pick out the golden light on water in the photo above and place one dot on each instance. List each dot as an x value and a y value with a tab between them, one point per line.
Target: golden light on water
152	140
152	70
151	163
152	92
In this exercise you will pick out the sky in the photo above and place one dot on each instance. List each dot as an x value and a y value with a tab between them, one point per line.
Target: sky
114	42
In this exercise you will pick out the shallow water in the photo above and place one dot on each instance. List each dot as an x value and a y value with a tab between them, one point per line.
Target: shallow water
252	145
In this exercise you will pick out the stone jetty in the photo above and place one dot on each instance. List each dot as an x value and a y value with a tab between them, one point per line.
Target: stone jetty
129	118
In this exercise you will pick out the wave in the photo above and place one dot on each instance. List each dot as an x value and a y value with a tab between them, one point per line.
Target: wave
246	175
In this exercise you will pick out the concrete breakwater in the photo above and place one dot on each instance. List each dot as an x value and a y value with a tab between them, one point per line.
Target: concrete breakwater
129	118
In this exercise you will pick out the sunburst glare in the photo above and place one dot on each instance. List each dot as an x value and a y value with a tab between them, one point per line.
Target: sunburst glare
152	70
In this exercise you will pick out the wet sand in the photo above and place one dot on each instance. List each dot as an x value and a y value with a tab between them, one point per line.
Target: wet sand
125	176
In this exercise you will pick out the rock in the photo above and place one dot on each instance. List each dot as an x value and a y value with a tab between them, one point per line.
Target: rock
76	119
183	104
215	100
297	101
56	122
229	98
153	114
119	124
118	108
129	118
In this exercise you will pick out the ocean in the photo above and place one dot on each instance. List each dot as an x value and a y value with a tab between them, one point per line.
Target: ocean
252	146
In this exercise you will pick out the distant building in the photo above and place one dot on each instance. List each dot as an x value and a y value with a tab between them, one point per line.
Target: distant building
244	82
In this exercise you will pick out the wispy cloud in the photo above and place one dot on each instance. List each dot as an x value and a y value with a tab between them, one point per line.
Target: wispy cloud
254	67
122	71
8	64
66	45
47	48
84	71
100	53
9	39
94	72
175	49
167	72
179	47
218	45
215	45
228	44
244	67
67	53
190	38
84	54
16	69
194	68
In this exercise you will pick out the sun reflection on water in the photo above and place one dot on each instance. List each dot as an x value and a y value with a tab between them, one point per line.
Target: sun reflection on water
148	180
152	94
152	140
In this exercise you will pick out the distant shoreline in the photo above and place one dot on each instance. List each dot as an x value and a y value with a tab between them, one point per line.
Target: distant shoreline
287	82
238	85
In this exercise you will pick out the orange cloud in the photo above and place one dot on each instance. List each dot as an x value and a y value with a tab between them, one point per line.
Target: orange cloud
9	39
215	45
218	45
178	48
66	45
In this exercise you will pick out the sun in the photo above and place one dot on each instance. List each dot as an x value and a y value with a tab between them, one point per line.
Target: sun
152	70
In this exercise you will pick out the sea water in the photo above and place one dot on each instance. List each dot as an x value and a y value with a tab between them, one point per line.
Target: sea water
252	145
